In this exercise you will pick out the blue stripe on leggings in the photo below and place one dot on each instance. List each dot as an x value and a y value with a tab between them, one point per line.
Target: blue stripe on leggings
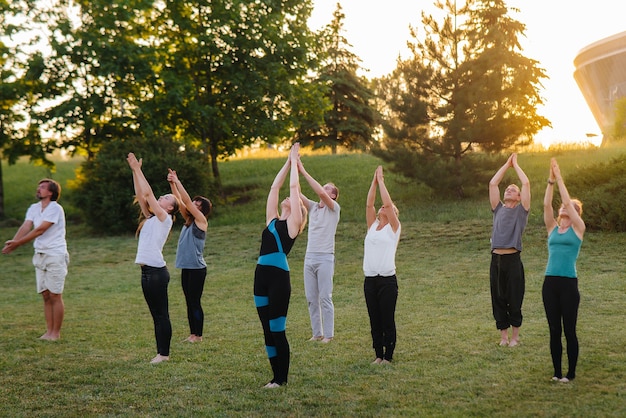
261	301
271	351
278	324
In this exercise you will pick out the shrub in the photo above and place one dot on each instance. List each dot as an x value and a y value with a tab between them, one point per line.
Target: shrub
103	189
601	188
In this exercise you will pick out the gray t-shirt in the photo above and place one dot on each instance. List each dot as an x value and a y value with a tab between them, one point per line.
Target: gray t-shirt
322	228
189	254
508	226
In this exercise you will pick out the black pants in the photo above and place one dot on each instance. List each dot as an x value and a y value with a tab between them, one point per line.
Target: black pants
507	282
154	282
381	295
561	300
272	291
192	282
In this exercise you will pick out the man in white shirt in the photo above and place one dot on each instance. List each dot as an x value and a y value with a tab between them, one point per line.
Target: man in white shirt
45	225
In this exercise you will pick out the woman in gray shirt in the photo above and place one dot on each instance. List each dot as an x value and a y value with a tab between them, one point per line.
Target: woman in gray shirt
189	254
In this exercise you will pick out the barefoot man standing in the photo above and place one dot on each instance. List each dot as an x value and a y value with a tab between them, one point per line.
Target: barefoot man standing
45	224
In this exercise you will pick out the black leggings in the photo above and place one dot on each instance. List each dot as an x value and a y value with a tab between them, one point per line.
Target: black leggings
192	281
272	291
381	295
561	300
154	282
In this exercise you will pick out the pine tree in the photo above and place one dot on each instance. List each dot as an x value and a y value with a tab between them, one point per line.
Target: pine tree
474	91
350	118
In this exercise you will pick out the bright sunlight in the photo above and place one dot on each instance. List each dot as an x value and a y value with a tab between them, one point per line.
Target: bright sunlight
555	32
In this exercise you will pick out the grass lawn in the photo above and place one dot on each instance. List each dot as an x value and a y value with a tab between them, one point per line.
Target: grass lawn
447	361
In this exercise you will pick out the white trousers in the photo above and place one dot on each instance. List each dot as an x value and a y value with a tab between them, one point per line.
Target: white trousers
318	288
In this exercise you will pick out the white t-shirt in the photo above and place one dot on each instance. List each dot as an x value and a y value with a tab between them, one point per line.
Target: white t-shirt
51	242
152	237
380	250
322	228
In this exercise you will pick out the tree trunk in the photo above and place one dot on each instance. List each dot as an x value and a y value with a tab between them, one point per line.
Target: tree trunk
215	169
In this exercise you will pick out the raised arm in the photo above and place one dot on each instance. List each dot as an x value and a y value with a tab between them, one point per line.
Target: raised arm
294	221
577	222
188	208
523	178
494	183
174	189
548	209
143	205
271	207
317	188
370	209
387	202
143	191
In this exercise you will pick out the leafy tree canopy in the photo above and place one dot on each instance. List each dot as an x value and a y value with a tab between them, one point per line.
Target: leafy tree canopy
467	88
350	118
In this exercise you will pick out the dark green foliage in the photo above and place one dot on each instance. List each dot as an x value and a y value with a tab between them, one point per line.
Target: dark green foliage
350	118
445	176
222	74
466	89
601	187
103	189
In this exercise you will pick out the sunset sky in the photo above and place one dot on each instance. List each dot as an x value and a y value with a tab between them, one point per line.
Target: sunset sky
556	30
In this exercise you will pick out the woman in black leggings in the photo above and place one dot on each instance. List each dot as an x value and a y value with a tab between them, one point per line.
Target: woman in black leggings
560	287
153	232
272	286
379	266
189	253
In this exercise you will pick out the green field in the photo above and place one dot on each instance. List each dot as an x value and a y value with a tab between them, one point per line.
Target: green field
447	361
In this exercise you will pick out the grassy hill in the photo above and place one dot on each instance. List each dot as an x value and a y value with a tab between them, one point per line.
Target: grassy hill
447	362
247	181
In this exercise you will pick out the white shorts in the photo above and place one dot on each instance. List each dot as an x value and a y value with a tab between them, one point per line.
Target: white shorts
51	271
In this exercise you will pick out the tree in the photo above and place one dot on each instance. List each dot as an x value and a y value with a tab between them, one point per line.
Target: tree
351	118
218	75
467	88
18	81
232	72
97	67
103	188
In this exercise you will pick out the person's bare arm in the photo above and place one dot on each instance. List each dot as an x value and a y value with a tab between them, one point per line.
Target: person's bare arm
370	209
548	210
143	189
577	222
24	234
190	208
523	178
494	183
316	186
183	206
387	202
294	221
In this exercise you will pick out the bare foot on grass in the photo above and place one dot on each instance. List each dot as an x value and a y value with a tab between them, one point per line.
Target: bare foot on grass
159	358
193	339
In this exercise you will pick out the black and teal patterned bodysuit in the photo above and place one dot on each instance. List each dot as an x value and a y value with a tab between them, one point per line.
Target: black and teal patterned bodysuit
272	290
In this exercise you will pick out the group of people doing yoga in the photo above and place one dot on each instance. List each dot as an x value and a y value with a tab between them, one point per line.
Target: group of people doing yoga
284	221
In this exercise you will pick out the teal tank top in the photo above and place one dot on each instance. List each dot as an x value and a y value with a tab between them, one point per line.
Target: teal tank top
563	250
